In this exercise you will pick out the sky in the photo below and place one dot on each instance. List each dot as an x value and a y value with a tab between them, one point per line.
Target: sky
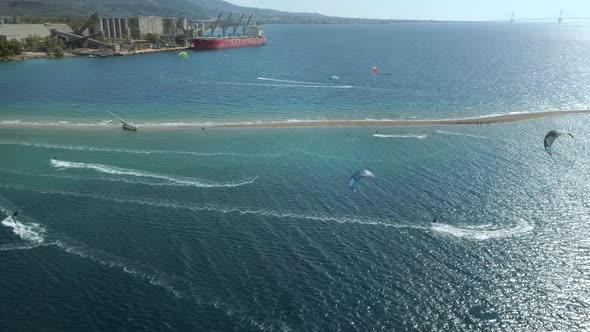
468	10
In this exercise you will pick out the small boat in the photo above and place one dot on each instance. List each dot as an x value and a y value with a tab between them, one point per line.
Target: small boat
125	125
128	126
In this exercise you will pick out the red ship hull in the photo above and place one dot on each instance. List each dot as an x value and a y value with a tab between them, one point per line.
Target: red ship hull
202	44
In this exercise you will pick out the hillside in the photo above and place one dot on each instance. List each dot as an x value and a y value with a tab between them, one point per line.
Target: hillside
105	7
190	8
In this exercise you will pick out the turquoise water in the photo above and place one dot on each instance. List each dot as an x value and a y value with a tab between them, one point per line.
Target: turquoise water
174	228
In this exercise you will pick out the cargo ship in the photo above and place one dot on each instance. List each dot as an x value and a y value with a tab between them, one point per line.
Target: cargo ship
252	35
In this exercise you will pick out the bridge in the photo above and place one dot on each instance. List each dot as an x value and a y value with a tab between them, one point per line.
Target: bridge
560	18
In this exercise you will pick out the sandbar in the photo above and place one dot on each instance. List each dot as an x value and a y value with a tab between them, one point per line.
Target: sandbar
500	118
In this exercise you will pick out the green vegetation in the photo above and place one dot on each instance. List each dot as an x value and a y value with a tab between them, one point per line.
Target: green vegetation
48	45
33	43
10	47
153	37
53	47
83	8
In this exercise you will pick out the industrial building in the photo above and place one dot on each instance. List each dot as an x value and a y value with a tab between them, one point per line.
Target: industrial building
109	27
136	27
22	31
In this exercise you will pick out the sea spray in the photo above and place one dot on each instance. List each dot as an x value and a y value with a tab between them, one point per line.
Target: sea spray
32	232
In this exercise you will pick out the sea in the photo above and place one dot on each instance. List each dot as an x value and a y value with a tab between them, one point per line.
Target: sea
185	226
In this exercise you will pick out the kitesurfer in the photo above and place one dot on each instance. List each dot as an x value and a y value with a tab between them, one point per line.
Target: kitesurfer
552	136
357	176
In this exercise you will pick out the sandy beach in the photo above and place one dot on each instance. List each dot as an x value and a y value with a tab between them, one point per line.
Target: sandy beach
501	118
488	119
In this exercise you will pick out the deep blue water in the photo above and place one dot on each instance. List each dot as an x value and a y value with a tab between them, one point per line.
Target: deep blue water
256	229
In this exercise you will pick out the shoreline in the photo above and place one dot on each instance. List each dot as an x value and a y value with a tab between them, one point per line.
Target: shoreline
487	119
480	120
85	53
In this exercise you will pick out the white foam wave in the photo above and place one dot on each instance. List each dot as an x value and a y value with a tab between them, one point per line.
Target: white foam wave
289	81
27	231
460	134
400	136
172	180
483	232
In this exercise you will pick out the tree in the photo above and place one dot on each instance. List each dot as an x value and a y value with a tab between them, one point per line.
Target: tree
153	37
10	47
54	47
33	44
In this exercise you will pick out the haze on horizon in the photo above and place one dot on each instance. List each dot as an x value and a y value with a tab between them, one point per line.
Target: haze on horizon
456	10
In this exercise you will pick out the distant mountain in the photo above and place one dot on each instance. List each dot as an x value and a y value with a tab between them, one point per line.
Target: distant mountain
104	7
200	9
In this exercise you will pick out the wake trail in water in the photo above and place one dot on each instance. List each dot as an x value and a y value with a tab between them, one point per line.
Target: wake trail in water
117	150
110	179
152	276
442	132
34	234
289	81
290	85
226	209
171	180
400	136
484	232
31	232
481	232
